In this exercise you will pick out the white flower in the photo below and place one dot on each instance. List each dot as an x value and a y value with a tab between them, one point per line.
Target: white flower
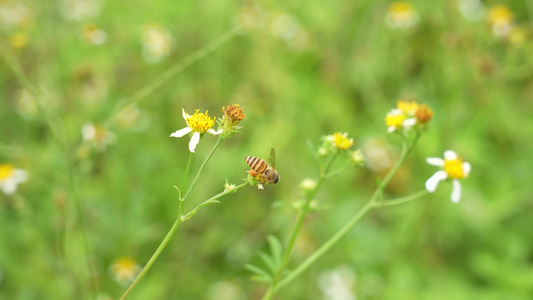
338	284
198	123
453	168
97	135
10	178
396	119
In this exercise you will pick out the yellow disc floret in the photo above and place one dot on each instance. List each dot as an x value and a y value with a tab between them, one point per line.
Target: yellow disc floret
407	107
400	7
341	141
394	120
6	171
454	168
500	15
200	122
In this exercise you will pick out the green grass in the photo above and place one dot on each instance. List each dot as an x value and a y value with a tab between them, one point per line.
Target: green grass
81	208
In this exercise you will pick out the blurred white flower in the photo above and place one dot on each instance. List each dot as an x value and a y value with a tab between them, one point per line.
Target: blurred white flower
157	43
13	14
77	10
132	118
338	284
453	168
472	10
379	155
225	290
401	15
501	20
287	28
124	270
93	35
97	136
10	178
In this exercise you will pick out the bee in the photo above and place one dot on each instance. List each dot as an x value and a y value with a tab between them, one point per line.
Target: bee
262	171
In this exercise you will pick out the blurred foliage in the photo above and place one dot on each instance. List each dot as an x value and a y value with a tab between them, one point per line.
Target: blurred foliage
301	72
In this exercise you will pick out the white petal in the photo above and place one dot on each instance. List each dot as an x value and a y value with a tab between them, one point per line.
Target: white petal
184	114
456	191
20	175
9	187
213	132
408	123
433	181
194	141
435	161
181	132
466	168
391	129
449	155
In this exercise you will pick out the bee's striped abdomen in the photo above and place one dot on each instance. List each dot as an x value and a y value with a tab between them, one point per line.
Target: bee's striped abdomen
257	164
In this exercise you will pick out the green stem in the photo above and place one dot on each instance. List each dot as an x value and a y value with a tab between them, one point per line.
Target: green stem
296	230
202	167
402	200
186	173
346	228
211	201
156	254
174	70
179	220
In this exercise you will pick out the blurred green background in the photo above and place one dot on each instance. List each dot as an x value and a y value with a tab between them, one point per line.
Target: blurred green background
301	70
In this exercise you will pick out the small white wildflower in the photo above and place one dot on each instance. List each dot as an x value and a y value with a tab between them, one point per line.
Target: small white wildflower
453	168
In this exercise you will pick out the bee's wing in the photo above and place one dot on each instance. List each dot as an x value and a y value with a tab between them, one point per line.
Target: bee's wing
272	158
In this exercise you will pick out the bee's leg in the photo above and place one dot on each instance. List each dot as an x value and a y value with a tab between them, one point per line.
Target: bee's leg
251	172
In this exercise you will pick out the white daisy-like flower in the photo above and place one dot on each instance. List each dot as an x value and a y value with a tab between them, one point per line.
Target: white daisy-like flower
396	119
198	123
10	178
401	15
453	167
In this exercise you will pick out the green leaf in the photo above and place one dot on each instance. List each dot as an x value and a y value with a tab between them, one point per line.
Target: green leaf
259	273
269	262
277	250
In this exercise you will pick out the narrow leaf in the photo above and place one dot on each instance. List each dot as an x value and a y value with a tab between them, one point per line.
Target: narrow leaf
257	270
276	248
269	262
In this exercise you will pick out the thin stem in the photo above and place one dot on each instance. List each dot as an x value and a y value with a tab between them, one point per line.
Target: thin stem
186	173
202	167
211	201
346	228
156	254
179	220
173	71
402	200
296	230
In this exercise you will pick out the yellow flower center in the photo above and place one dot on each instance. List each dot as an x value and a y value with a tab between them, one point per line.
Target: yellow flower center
200	122
454	168
125	269
342	141
5	171
400	7
394	120
408	107
500	14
